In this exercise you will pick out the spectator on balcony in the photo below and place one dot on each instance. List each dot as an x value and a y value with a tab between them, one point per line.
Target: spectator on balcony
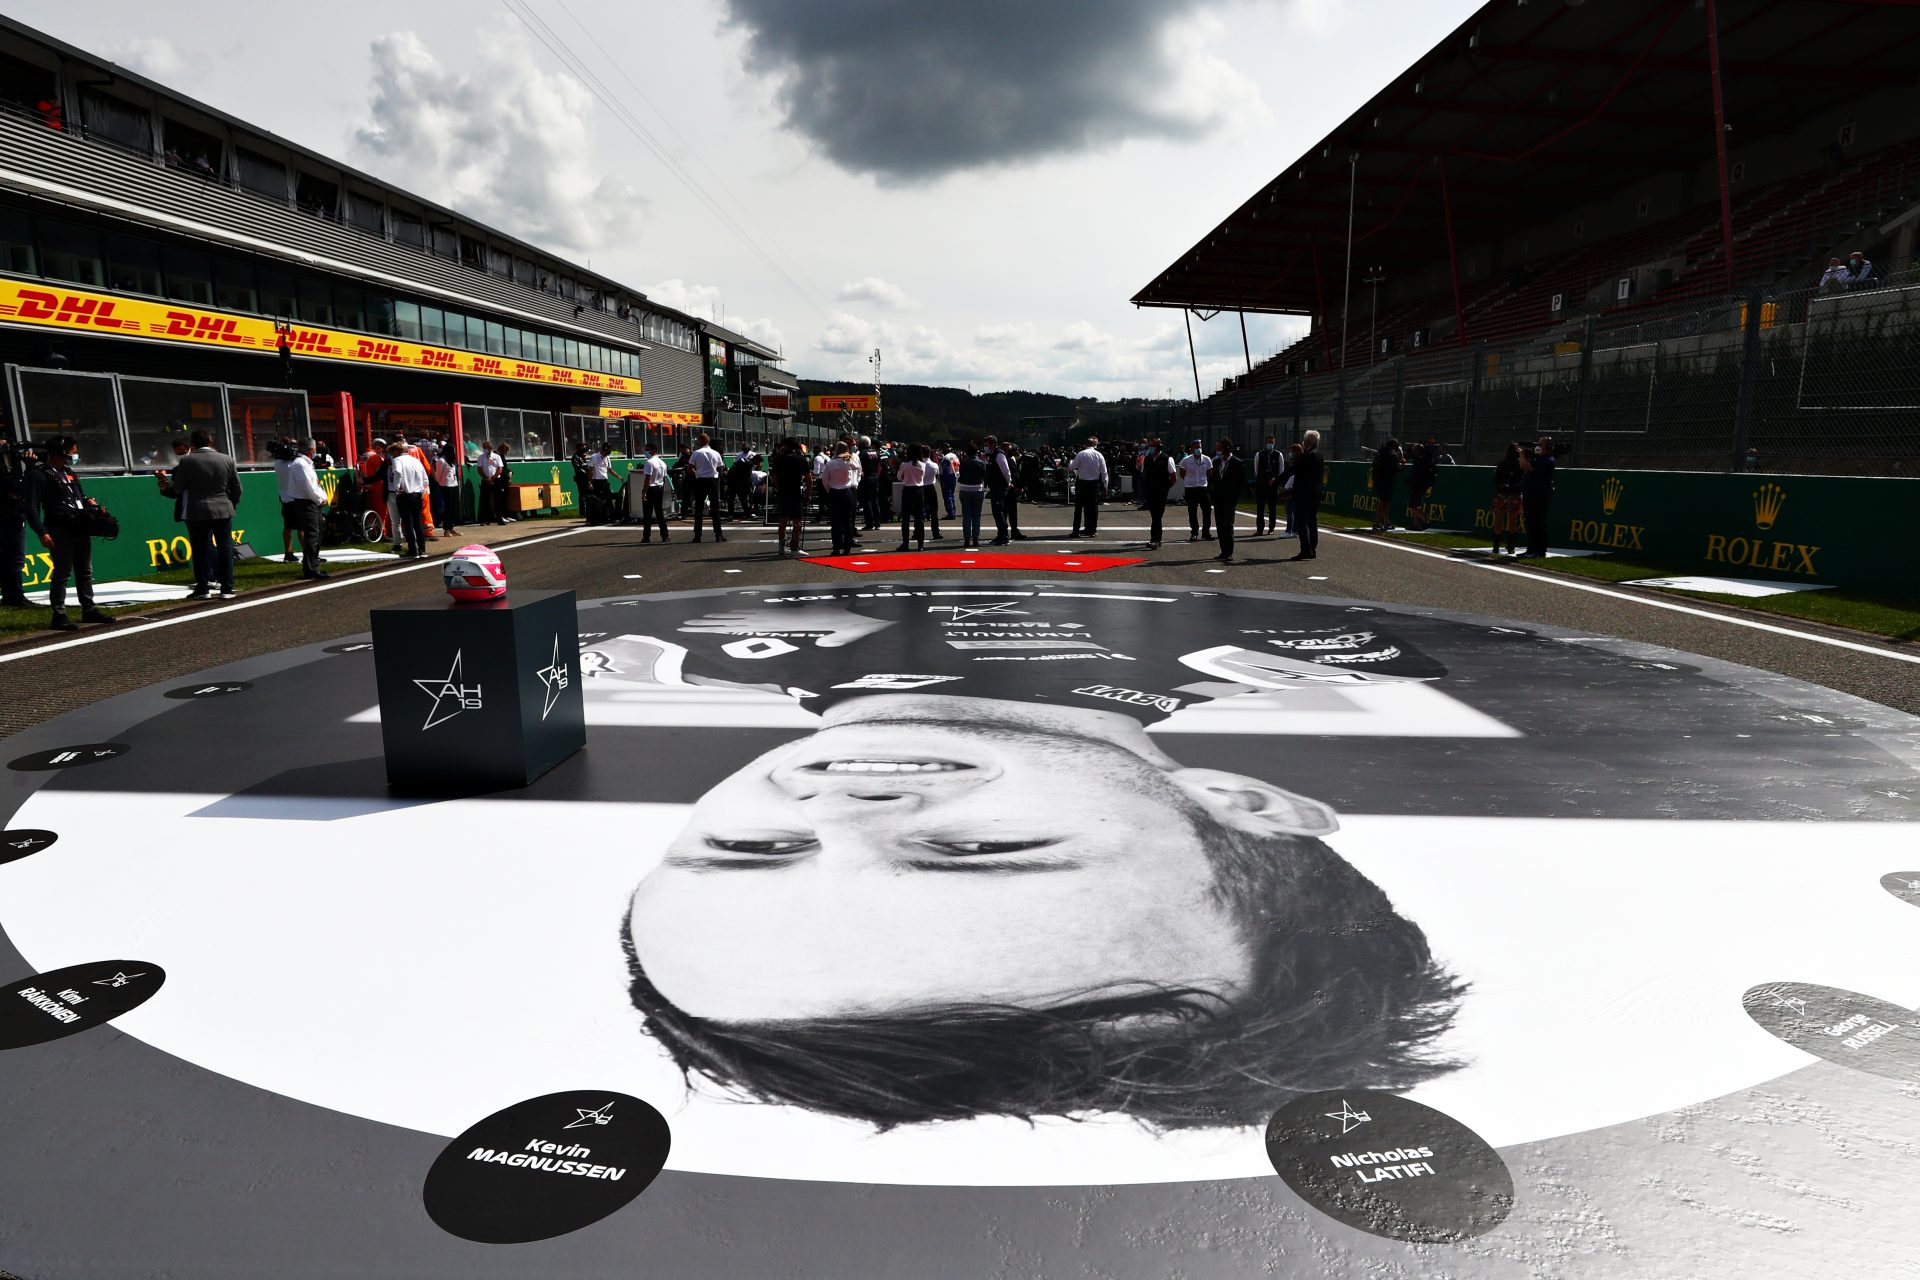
1836	277
1861	273
50	114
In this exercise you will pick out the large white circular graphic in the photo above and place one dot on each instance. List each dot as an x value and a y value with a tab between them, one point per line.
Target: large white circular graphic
1600	847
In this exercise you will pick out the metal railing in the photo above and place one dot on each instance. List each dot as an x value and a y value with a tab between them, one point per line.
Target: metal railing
1762	380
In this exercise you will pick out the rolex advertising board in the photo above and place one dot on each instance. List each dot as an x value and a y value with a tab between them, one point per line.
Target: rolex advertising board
1840	531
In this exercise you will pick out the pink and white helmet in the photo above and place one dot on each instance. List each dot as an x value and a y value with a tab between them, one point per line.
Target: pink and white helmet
475	573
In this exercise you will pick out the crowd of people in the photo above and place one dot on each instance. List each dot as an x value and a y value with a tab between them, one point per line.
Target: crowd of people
858	486
412	490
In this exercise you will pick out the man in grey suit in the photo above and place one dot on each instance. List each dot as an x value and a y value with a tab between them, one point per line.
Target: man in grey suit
209	487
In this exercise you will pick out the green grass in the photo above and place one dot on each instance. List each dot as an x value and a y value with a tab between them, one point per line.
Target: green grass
1889	616
247	574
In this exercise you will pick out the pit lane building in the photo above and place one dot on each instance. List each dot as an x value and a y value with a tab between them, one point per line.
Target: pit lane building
163	263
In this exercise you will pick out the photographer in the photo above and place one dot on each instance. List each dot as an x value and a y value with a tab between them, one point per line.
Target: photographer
303	503
15	461
61	516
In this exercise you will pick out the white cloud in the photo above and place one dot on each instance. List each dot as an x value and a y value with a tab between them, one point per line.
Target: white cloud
881	293
157	58
706	302
1078	358
504	141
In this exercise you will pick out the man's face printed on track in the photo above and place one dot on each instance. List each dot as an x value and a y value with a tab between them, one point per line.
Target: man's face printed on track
923	849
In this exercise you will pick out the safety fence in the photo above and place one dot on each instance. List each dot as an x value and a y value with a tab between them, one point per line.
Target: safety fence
1798	381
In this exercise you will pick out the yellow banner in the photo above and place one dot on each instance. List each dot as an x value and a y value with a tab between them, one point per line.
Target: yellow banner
835	404
656	415
57	307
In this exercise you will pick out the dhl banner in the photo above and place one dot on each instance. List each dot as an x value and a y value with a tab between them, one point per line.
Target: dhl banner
657	416
837	404
74	309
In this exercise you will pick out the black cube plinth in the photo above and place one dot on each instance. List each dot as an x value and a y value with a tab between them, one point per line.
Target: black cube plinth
478	696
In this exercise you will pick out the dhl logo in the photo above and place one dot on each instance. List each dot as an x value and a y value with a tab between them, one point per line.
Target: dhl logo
66	308
381	352
80	310
203	328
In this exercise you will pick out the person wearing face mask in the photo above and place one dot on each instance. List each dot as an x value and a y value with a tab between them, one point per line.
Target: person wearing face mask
16	462
1194	470
58	512
1227	482
1536	495
1267	470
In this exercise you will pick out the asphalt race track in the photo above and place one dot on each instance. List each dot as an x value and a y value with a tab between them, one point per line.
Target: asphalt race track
1379	914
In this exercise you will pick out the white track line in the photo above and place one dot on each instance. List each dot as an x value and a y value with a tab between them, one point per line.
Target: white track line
197	614
1729	619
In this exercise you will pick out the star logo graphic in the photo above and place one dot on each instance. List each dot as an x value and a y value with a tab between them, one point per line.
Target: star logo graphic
117	980
553	677
1349	1118
450	698
592	1117
962	612
1794	1003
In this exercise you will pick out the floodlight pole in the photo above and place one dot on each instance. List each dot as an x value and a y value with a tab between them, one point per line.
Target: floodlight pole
1720	140
1375	277
1188	313
1346	288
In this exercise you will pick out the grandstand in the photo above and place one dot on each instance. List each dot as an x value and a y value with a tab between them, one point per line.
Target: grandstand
1609	219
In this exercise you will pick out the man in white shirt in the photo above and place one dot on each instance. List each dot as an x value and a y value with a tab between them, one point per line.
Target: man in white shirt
1089	467
303	505
652	477
840	475
407	486
706	464
1195	469
489	466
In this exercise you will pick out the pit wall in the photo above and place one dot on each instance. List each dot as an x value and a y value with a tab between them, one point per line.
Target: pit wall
1840	531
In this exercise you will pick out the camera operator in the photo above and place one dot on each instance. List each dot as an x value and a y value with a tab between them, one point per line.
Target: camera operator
15	461
303	503
59	512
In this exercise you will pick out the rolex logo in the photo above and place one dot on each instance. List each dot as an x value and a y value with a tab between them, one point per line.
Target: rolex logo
1767	501
1610	490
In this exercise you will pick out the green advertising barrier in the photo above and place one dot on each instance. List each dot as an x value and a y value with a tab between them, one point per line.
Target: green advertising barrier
151	540
1840	531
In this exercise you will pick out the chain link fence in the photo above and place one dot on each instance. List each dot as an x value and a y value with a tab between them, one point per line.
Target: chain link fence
1800	381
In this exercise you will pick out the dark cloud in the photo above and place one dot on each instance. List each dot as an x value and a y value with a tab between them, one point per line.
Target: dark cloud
912	91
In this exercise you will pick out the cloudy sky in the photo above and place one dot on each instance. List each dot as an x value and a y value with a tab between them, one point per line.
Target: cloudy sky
976	189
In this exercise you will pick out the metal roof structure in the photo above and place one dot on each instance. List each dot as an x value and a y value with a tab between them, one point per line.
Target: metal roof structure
1532	106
